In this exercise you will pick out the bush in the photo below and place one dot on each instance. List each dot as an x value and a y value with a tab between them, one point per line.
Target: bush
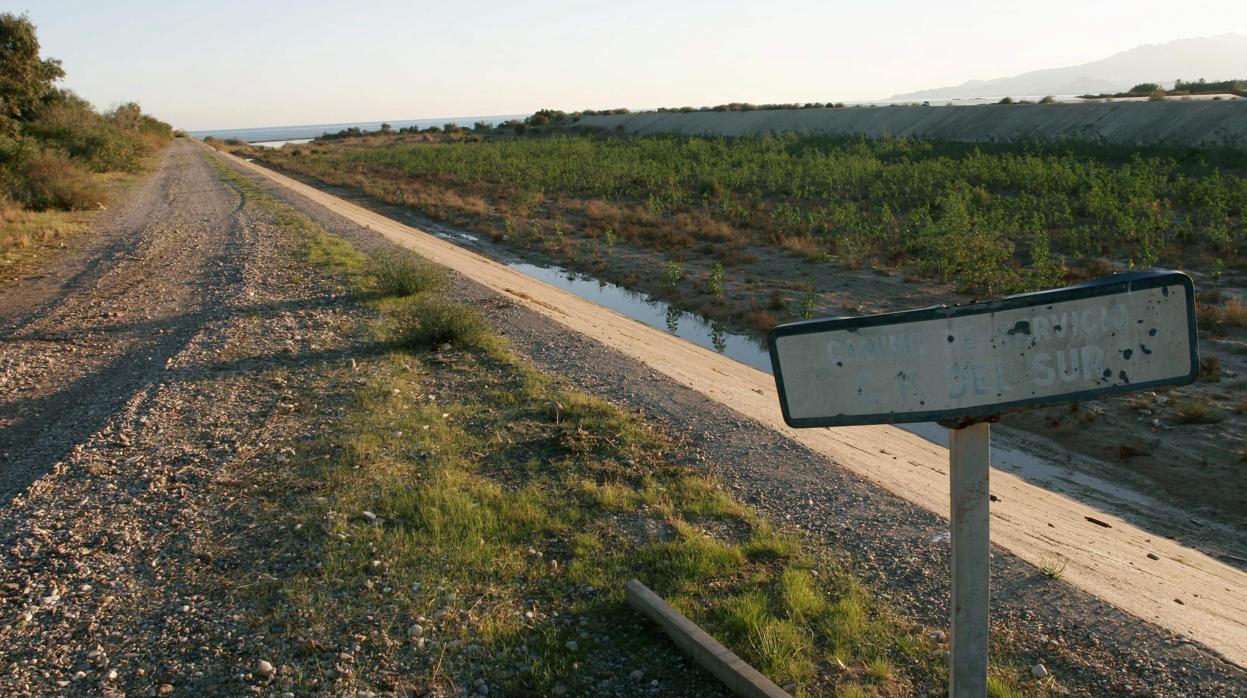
70	125
1048	100
431	321
1145	88
1156	96
51	181
404	274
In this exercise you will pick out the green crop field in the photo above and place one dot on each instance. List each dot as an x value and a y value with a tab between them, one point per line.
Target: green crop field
990	217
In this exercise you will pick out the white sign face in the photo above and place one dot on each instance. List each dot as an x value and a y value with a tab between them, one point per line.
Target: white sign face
1119	334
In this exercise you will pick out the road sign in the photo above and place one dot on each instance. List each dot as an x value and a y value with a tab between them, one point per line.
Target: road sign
962	366
1118	334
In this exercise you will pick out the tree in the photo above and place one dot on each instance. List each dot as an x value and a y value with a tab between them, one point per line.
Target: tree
24	77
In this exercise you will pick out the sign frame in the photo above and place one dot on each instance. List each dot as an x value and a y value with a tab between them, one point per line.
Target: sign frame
1102	287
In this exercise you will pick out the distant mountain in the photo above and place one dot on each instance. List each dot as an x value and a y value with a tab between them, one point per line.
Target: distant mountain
1215	58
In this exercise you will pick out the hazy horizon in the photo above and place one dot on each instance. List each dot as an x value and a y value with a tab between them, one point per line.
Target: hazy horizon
328	62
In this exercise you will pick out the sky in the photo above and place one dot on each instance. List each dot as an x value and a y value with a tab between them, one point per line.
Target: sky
234	64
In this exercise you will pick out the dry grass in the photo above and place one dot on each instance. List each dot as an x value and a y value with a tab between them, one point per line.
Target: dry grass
804	246
26	237
1217	320
1195	412
53	182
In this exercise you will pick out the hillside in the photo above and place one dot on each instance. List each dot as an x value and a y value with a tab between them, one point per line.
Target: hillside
1214	58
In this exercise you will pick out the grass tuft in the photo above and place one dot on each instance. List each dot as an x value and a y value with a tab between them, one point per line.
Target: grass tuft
431	321
1194	412
401	273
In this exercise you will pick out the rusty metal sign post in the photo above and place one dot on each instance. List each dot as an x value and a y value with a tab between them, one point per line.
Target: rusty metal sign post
962	366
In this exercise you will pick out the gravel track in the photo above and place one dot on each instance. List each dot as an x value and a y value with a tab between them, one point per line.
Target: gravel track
73	351
126	391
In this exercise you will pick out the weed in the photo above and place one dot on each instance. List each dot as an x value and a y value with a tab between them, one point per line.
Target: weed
798	595
1194	412
853	689
1000	687
1210	368
715	282
1052	568
404	274
880	669
809	301
430	321
1217	320
674	271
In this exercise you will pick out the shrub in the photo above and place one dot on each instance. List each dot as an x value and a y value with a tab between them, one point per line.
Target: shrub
431	321
674	272
404	274
1157	96
1144	88
51	181
70	125
1048	100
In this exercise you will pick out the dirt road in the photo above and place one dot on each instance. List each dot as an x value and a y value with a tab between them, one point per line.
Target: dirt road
133	373
1159	580
88	335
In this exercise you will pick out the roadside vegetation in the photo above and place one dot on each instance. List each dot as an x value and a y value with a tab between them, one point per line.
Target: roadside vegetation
58	155
470	521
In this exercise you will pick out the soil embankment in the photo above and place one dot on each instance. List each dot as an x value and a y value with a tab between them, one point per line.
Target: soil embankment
1176	123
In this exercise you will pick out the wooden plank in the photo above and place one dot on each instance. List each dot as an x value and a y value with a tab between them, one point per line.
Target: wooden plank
739	677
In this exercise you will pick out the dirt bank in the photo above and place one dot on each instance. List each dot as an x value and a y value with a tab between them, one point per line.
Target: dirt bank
1178	123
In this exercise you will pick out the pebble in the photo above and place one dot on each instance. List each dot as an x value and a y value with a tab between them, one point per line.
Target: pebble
415	630
1039	671
939	636
264	668
165	689
572	645
636	675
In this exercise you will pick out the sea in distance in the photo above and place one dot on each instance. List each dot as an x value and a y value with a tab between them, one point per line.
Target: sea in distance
277	136
269	134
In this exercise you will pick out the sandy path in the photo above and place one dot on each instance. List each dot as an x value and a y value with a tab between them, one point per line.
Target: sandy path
1183	590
